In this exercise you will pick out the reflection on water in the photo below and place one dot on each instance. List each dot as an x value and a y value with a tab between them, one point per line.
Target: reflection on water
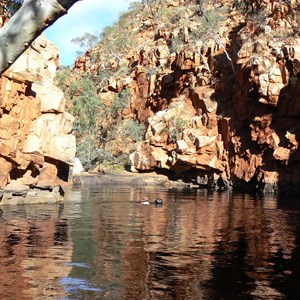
34	244
104	244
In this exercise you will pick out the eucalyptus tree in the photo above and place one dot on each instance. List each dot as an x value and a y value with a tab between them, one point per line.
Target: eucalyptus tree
29	19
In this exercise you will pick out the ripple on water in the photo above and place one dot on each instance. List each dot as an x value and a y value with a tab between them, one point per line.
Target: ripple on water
78	265
73	285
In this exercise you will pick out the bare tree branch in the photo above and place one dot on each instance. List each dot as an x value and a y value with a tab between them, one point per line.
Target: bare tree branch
218	41
204	60
26	24
116	56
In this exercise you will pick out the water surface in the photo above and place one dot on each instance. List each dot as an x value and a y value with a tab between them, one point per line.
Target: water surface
101	243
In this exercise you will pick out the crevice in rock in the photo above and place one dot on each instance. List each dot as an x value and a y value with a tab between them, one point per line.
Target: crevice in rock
63	169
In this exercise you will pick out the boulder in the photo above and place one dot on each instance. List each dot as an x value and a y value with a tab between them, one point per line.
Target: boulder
51	97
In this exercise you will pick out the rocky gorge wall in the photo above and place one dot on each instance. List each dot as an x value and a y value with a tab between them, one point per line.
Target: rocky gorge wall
36	144
223	111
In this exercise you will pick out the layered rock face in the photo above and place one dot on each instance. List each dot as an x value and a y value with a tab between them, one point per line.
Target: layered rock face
266	109
36	144
222	109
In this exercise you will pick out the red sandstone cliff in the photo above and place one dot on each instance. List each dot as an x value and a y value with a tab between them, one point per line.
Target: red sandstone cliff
222	108
36	147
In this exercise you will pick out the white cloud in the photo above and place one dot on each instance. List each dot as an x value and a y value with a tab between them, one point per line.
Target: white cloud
85	16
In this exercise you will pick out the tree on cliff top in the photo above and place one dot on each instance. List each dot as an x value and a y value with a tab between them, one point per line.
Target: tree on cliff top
29	21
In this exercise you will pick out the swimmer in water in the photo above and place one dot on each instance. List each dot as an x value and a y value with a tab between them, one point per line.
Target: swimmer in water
145	201
157	202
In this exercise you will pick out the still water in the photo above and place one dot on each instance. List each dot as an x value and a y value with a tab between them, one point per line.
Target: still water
101	243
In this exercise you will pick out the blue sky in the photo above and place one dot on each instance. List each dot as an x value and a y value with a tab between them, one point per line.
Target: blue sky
85	16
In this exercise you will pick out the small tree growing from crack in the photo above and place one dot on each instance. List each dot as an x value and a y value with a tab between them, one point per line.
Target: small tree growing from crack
209	29
217	39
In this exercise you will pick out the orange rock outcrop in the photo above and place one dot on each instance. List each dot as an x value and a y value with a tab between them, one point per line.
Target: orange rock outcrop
220	110
35	128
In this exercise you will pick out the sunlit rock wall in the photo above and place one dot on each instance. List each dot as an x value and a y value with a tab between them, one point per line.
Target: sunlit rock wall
36	144
225	117
221	109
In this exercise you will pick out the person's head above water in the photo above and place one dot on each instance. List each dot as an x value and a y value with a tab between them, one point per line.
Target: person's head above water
158	201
